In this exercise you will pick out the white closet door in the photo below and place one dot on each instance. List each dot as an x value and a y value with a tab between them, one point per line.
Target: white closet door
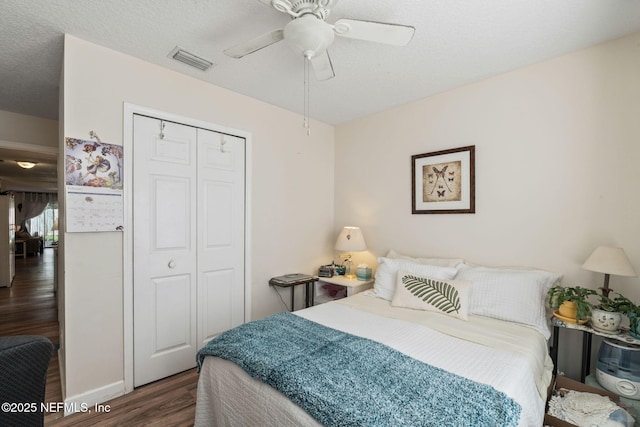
221	183
164	199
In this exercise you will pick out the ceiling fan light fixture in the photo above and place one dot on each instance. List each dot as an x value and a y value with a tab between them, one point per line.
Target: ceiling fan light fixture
308	36
298	8
26	165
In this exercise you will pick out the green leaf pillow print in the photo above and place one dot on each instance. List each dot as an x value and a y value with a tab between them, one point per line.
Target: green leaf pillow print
450	297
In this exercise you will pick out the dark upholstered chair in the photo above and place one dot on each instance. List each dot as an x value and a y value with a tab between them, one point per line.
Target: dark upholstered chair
34	245
24	360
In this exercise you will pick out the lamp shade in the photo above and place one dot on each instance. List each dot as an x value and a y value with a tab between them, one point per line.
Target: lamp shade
610	260
351	240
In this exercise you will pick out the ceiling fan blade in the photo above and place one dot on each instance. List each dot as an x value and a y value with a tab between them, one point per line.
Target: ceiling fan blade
255	44
322	66
380	32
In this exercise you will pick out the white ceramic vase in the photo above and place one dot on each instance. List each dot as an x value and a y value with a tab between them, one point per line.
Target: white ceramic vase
606	321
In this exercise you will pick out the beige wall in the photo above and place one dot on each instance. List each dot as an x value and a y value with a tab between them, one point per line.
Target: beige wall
23	129
557	155
290	230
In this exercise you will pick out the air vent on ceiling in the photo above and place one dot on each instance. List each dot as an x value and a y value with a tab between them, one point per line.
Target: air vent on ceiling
179	54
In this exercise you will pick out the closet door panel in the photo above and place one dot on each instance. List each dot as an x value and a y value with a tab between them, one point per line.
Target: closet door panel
217	296
171	308
218	197
221	172
171	205
164	288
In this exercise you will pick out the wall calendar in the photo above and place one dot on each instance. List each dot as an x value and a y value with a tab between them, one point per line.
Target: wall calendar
93	184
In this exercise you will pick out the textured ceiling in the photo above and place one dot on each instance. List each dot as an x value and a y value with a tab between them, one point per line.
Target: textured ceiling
456	42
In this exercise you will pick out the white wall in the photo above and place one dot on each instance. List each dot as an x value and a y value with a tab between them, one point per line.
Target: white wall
23	129
557	155
291	231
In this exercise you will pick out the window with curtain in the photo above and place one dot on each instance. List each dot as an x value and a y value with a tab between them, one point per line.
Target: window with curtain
45	224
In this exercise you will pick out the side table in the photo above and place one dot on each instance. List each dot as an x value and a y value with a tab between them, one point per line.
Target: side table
587	335
352	286
293	280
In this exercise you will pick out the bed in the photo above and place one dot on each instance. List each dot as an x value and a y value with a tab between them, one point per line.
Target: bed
391	356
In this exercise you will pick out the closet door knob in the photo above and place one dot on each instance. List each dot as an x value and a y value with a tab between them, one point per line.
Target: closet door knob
172	264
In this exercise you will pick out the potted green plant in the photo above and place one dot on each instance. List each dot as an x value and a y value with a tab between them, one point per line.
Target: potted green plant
572	303
633	313
607	315
634	322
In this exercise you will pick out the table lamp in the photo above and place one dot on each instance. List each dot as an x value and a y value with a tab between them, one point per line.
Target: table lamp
609	260
350	240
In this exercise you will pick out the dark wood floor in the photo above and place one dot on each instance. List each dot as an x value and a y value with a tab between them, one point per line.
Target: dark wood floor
29	308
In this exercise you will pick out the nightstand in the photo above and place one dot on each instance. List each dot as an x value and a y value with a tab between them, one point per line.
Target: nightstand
342	287
587	335
293	280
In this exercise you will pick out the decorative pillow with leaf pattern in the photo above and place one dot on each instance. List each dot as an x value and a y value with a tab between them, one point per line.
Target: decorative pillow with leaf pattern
450	297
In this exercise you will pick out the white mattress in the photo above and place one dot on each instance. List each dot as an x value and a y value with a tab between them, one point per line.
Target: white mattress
510	357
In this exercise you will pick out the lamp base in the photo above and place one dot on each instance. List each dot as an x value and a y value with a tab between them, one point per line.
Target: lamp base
605	289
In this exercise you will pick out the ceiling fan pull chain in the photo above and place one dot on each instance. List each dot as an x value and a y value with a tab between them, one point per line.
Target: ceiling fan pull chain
307	60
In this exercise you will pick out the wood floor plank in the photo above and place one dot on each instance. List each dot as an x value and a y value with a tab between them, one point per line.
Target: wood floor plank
169	402
29	307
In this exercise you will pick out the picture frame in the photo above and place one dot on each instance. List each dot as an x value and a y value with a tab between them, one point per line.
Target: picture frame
443	182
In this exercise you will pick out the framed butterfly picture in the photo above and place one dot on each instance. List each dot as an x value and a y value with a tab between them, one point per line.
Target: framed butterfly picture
443	182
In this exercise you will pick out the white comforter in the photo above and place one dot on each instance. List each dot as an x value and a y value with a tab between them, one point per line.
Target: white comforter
510	357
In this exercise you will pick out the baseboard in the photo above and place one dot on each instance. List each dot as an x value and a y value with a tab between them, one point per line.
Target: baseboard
63	383
87	401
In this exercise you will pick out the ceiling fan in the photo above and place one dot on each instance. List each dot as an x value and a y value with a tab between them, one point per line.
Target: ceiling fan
309	35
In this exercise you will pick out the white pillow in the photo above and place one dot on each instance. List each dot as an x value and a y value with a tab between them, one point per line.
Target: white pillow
387	271
513	295
467	264
450	297
442	262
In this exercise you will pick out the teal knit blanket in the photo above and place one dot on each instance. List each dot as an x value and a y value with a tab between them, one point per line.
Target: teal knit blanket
344	380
